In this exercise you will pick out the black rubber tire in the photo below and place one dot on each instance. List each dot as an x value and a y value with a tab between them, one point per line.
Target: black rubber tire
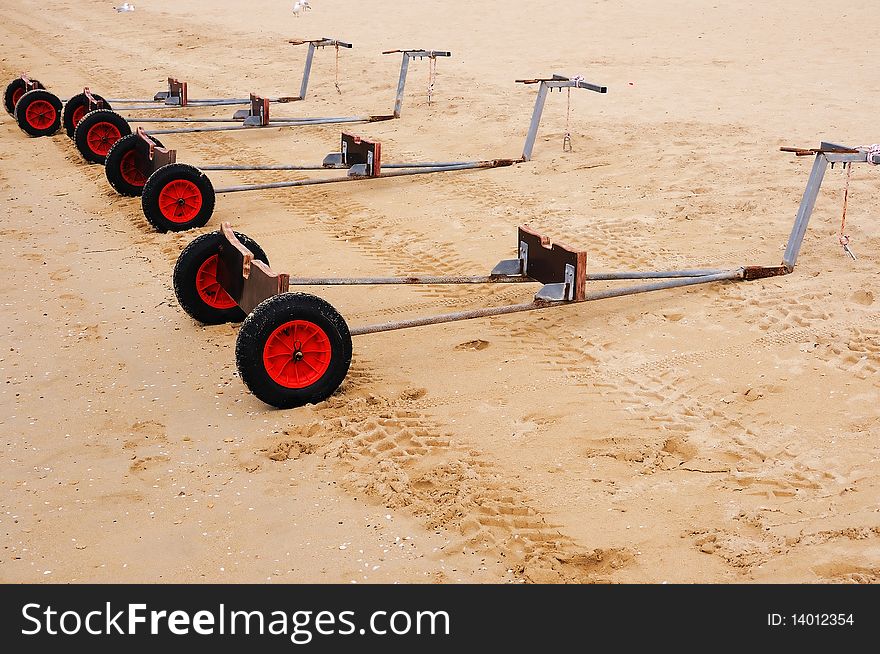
88	122
38	95
159	180
113	166
70	107
186	270
15	85
265	319
11	88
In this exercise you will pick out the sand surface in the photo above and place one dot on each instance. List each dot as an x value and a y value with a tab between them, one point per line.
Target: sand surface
723	434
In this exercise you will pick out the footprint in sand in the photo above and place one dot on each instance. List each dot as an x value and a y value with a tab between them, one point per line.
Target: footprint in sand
477	344
863	297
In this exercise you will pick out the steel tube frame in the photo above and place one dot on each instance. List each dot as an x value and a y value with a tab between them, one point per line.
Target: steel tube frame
824	156
488	279
558	82
428	164
222	102
402	173
298	122
302	122
409	280
404	67
543	304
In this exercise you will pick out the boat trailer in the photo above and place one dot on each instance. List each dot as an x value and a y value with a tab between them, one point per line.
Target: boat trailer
295	348
177	197
111	126
42	113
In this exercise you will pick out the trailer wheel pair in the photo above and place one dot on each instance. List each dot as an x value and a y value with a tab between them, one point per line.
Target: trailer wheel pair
121	168
293	349
97	132
14	90
37	112
75	110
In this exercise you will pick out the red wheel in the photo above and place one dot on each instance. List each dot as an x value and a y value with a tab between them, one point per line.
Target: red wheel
101	138
38	112
14	90
180	201
129	170
297	354
195	279
178	197
97	132
120	166
78	114
293	349
209	289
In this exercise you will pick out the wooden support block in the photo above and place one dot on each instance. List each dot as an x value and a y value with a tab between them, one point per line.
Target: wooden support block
546	261
177	89
247	280
360	151
259	111
149	156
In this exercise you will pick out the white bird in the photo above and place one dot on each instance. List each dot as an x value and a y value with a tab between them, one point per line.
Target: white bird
125	6
300	6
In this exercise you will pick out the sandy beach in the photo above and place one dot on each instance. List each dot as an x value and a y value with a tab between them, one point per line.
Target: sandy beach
726	433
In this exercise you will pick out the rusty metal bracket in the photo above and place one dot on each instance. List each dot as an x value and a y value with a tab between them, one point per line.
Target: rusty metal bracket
257	115
553	264
149	156
30	84
751	273
362	157
175	95
247	280
94	103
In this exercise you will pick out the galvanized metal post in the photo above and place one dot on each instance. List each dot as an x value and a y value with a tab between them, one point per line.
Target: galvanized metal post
536	120
307	71
808	201
556	82
401	83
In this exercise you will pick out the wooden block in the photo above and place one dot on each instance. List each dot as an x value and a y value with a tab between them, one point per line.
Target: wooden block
546	261
357	150
247	281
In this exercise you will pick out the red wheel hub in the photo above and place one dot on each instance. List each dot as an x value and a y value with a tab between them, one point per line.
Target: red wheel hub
209	288
16	96
40	114
180	201
78	114
101	138
297	354
129	170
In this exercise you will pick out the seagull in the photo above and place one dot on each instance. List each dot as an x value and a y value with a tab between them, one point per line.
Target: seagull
125	6
300	6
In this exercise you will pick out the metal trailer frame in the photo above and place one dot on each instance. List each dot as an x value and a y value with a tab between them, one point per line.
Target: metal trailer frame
107	127
360	163
257	115
561	270
176	96
51	116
